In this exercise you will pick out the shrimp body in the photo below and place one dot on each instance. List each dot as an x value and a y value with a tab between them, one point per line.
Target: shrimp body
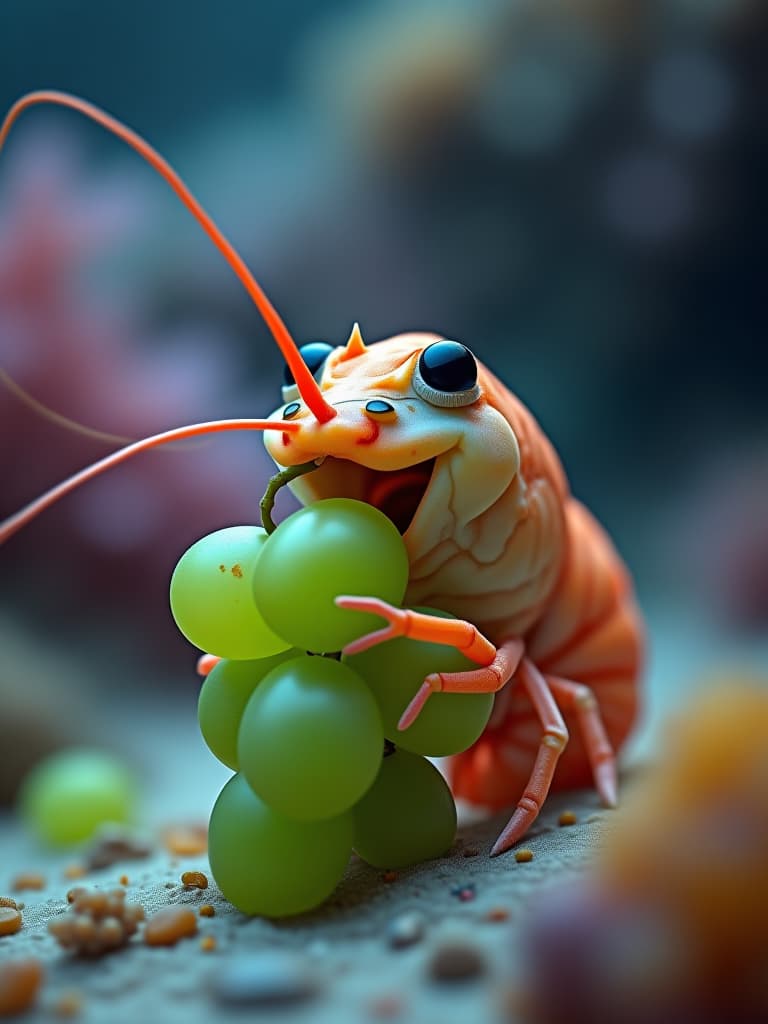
494	537
590	633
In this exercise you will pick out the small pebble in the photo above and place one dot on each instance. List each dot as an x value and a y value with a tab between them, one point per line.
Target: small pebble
68	1004
73	871
124	880
524	856
405	930
464	893
99	922
169	926
208	944
186	840
389	876
194	880
10	921
456	961
567	818
207	910
20	981
497	914
114	843
264	979
28	880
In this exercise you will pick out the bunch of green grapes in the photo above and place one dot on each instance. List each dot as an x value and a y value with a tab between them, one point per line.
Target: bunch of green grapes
303	729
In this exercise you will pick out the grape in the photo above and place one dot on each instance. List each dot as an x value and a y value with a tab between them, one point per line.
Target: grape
223	696
267	864
449	722
310	740
408	815
331	547
212	595
66	797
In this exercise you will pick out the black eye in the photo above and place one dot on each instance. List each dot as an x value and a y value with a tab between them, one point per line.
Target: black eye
290	410
448	366
446	375
314	354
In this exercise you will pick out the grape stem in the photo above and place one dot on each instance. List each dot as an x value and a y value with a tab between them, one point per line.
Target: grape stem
279	480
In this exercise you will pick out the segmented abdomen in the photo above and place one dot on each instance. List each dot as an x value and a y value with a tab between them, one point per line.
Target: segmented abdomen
590	633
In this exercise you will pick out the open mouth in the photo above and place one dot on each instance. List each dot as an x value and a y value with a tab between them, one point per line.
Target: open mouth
397	493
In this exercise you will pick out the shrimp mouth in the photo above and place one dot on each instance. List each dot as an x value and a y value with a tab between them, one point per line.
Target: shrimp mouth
397	493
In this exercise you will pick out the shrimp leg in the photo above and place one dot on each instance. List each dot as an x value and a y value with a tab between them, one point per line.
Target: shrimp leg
553	742
580	699
498	665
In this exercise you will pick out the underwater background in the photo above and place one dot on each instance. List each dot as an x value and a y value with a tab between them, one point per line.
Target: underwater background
575	190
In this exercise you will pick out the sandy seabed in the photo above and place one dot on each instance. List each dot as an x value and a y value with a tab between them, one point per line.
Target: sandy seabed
344	946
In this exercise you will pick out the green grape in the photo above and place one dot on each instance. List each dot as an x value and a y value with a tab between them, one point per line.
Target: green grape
310	739
68	796
331	547
408	815
223	696
212	595
449	722
267	864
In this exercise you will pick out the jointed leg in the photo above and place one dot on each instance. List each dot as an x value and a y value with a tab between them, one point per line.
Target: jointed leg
498	665
550	748
487	679
580	699
403	622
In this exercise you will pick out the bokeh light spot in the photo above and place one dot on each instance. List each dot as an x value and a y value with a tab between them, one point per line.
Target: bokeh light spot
690	95
647	196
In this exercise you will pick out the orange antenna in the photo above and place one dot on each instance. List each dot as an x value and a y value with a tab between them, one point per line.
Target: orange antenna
25	515
306	383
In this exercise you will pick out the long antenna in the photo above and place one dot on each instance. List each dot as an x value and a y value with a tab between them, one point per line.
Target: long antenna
306	383
25	515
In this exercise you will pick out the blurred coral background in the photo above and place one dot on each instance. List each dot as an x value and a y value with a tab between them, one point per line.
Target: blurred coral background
573	189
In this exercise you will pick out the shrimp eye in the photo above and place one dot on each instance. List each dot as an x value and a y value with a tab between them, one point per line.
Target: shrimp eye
314	354
446	375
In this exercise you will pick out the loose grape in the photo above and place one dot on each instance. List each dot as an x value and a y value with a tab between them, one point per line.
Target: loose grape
408	815
212	595
331	547
223	696
449	722
66	797
310	739
267	864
